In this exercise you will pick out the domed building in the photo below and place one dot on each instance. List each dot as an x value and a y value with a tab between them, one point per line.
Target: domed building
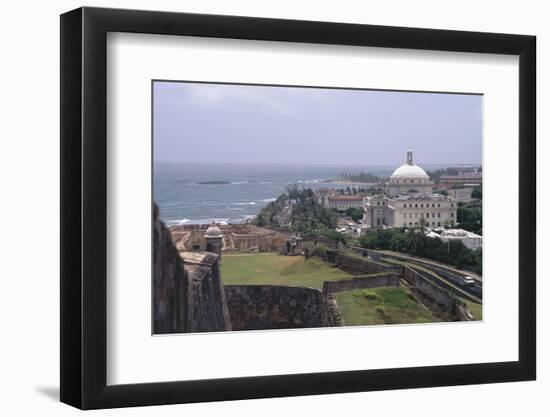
409	179
409	201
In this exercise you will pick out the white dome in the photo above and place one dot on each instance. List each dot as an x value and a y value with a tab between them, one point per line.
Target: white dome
213	231
409	171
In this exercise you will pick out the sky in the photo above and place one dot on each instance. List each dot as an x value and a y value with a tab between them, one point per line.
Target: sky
224	123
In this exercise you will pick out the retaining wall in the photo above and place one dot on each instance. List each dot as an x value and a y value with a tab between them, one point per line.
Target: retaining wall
428	289
356	264
390	279
257	307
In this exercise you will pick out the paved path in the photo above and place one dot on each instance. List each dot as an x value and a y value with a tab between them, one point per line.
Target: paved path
421	260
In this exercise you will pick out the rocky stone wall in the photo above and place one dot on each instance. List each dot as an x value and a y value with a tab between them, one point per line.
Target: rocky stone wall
436	297
260	307
390	279
208	310
434	293
170	289
236	238
188	293
356	264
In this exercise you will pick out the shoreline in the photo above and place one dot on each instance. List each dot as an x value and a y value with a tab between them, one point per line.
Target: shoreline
201	222
337	181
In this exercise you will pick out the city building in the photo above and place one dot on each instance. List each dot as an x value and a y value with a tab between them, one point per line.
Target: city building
461	195
409	201
470	240
464	176
344	202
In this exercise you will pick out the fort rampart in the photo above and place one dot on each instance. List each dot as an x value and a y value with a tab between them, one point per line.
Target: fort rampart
188	291
390	279
436	296
256	307
355	263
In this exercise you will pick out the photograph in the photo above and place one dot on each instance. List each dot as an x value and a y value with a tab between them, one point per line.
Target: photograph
287	207
301	203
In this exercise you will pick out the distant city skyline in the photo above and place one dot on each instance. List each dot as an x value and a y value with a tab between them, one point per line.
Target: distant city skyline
227	123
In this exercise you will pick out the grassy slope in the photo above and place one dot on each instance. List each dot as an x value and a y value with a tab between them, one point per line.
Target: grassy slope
475	308
277	269
385	305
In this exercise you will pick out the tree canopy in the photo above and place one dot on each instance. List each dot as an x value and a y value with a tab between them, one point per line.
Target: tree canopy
418	244
306	215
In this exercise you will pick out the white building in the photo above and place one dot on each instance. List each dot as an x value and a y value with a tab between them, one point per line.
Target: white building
409	201
344	202
470	240
409	179
461	195
334	200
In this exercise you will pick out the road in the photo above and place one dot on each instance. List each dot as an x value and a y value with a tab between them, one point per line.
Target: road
448	275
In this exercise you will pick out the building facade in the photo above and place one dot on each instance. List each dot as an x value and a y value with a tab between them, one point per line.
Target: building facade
463	176
344	202
469	239
332	199
461	195
409	201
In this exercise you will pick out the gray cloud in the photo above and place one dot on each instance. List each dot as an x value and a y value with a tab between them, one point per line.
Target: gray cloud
236	123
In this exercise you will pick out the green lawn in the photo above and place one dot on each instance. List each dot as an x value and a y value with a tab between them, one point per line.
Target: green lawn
475	308
274	269
384	305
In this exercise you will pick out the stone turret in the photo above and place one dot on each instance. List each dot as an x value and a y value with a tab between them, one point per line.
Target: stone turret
214	240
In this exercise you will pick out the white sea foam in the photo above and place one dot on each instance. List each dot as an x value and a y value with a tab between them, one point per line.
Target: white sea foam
249	203
209	221
177	222
268	200
313	181
222	221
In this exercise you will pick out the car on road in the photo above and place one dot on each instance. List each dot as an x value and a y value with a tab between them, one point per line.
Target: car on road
468	280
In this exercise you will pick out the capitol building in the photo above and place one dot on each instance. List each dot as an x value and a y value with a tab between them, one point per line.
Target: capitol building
409	201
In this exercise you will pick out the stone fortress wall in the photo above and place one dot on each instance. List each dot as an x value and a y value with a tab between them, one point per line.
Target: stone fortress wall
205	296
356	264
257	307
236	238
436	297
188	291
170	307
428	289
390	279
190	297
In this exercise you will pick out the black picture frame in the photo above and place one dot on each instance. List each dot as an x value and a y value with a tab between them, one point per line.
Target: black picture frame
84	207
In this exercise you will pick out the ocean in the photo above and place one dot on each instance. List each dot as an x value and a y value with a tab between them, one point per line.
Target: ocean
182	199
